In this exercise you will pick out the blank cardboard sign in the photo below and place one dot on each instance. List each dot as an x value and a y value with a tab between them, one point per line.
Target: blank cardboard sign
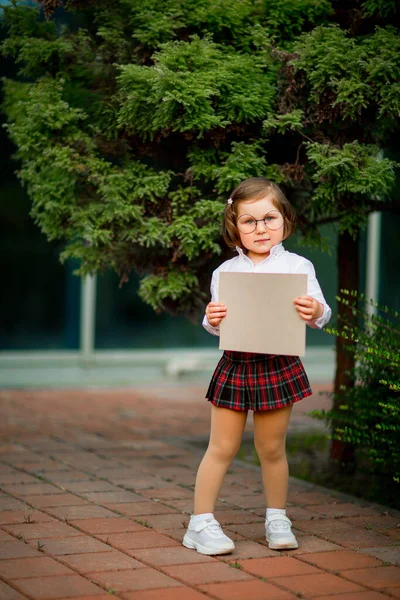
261	316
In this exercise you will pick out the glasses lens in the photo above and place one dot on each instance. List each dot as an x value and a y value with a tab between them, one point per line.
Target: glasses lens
273	220
246	224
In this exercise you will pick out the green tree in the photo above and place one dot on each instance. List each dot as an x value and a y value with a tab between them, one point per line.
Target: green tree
134	126
135	122
339	105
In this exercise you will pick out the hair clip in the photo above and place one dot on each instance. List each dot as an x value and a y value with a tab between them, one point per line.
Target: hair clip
230	201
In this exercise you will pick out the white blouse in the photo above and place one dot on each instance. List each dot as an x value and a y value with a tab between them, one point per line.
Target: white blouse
278	261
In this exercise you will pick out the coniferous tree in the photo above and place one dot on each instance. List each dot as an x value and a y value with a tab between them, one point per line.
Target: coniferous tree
133	121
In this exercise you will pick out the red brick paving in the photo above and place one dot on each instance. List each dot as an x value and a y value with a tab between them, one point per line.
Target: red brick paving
141	579
110	514
9	593
316	584
62	586
31	567
247	590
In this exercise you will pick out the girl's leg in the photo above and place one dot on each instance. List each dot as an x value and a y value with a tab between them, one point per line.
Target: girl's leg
227	427
270	429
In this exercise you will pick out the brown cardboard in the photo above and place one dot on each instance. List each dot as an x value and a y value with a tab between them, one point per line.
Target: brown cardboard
261	316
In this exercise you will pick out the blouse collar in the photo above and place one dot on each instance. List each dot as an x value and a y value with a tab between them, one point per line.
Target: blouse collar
275	252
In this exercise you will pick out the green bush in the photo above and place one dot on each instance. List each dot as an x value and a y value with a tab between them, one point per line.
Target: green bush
369	413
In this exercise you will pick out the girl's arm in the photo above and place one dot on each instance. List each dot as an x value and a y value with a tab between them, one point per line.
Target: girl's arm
213	310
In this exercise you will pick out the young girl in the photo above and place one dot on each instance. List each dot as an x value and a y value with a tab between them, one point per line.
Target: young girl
257	219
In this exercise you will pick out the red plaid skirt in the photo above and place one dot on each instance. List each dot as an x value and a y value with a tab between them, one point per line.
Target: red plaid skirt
250	381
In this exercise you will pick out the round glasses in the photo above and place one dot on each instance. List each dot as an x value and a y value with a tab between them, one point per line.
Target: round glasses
273	220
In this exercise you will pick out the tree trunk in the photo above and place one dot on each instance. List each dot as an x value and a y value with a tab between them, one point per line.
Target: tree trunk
348	278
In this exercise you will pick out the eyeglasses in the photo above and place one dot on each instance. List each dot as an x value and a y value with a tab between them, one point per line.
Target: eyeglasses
273	220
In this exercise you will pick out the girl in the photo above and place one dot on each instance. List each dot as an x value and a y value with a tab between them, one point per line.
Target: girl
257	219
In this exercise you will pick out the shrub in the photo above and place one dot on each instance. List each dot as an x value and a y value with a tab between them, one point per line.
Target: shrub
368	417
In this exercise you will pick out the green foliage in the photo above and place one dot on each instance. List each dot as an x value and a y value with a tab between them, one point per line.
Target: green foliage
357	73
369	414
355	171
133	124
383	8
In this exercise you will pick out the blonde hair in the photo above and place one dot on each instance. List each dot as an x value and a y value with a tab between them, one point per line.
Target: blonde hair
256	188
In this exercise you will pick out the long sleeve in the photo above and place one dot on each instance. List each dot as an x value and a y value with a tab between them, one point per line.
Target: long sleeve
314	290
214	298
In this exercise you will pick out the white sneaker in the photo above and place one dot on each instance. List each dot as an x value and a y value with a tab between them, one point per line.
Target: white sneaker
207	537
278	533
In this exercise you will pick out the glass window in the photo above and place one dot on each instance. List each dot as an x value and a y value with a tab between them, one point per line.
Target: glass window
40	300
124	321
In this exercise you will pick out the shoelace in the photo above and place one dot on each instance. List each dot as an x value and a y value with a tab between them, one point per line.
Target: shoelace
211	525
278	525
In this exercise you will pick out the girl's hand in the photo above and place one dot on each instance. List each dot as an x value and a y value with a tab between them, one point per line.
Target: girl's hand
308	308
215	312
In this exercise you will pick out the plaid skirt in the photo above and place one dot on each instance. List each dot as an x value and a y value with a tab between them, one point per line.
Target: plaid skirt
250	381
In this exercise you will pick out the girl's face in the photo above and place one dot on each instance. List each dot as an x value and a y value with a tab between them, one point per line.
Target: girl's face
259	242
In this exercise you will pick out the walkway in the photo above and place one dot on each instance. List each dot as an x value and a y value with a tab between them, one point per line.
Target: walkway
96	489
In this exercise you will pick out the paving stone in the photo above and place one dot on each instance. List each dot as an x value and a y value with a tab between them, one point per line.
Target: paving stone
101	561
254	501
107	525
32	567
364	595
201	573
86	511
394	591
16	549
302	498
174	555
374	520
9	593
49	500
357	538
167	493
75	545
16	477
11	504
102	597
9	517
233	517
244	549
316	584
181	593
90	486
32	531
376	578
312	543
249	590
338	510
322	526
167	521
277	567
252	531
6	537
112	497
140	579
390	554
65	477
140	539
341	560
32	489
61	586
138	509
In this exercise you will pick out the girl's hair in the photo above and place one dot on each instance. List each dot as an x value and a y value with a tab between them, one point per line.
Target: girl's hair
256	188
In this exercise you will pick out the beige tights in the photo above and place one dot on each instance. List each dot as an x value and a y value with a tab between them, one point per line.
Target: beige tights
227	427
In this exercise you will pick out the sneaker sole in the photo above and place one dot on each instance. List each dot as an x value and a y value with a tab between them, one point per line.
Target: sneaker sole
188	543
282	545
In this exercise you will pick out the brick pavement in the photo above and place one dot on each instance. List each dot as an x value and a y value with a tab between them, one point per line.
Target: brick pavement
96	491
